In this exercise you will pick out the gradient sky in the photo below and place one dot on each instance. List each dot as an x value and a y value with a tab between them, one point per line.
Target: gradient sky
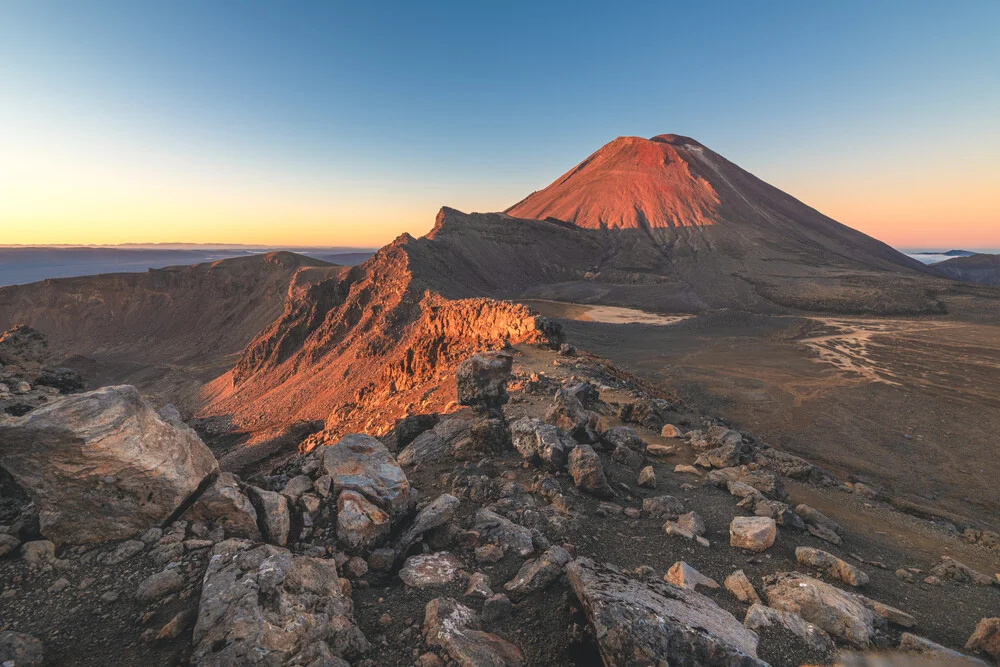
319	123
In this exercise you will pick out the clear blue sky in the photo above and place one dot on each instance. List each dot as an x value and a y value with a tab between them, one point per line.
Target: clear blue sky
328	122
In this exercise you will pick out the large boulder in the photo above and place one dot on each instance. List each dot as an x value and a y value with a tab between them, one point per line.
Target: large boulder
649	623
986	638
568	413
102	465
838	612
361	525
436	442
482	380
265	606
361	463
760	617
832	565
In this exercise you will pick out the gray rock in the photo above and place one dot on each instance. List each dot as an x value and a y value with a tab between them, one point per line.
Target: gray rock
434	569
913	644
264	606
436	442
102	465
588	473
648	623
361	463
157	586
439	512
663	507
628	457
820	525
360	524
482	380
541	444
8	543
692	523
493	527
123	552
20	650
839	613
954	570
760	617
832	565
224	504
623	436
647	478
38	553
496	608
454	628
479	586
538	574
296	486
568	413
273	515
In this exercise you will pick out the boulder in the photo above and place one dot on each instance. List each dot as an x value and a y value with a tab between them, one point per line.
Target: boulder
588	473
437	513
671	431
361	463
820	525
482	380
265	606
739	585
537	574
839	613
663	507
361	526
434	569
692	523
623	436
628	457
273	516
20	650
225	505
541	444
408	428
102	465
488	436
157	586
683	575
953	570
649	623
756	533
494	528
986	638
832	565
568	414
647	478
911	643
454	628
760	617
437	442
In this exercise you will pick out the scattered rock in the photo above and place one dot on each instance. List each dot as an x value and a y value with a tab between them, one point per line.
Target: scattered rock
541	444
568	413
482	380
913	644
588	473
178	624
224	504
671	431
479	586
953	570
537	574
820	525
123	552
739	585
7	544
360	524
653	449
496	608
454	628
647	478
102	465
274	519
663	507
832	565
493	527
426	570
755	533
265	606
683	575
437	513
649	623
489	553
18	649
158	586
38	553
690	470
986	638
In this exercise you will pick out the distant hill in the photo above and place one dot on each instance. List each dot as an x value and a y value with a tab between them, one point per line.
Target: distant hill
346	258
978	268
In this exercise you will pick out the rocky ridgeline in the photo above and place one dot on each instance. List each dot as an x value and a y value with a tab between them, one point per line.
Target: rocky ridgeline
277	569
26	382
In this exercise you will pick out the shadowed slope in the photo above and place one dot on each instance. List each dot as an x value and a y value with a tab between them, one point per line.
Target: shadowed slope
979	268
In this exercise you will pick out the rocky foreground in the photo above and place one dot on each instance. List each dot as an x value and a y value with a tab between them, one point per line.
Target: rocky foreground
564	516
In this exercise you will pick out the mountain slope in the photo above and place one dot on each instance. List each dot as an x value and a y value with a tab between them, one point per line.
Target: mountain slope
710	234
979	268
166	330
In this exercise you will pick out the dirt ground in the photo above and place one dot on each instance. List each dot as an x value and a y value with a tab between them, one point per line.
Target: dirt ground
912	405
